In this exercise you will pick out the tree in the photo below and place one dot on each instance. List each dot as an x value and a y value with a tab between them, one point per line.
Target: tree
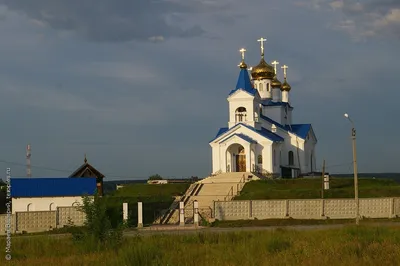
155	177
97	231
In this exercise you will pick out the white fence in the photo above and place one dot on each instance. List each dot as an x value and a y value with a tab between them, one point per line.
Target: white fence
306	209
37	221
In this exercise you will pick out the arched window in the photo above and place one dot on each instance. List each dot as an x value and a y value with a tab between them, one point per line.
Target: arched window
259	159
29	208
260	86
52	207
274	158
241	114
267	86
291	158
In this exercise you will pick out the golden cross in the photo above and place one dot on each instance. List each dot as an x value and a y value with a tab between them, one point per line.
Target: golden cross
275	63
284	67
262	40
242	51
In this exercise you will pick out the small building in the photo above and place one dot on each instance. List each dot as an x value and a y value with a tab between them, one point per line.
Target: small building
87	170
46	194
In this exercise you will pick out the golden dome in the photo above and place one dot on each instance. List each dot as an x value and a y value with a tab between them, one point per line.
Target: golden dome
286	86
276	83
262	70
243	65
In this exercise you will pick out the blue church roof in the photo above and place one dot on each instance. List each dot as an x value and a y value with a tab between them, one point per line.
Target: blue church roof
300	130
269	102
240	135
52	187
270	135
263	132
244	83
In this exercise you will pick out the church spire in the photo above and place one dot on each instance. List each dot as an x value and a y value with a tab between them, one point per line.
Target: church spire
285	88
262	40
262	70
242	64
285	85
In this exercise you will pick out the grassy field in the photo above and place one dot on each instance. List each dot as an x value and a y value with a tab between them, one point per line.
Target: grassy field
365	245
310	188
155	198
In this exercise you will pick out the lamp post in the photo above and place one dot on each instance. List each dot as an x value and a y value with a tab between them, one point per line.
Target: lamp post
353	137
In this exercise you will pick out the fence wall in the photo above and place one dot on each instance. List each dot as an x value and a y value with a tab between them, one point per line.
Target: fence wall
306	209
37	221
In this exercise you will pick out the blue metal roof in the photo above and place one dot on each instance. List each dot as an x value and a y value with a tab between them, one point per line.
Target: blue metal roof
52	187
300	130
263	132
244	83
269	102
270	135
242	136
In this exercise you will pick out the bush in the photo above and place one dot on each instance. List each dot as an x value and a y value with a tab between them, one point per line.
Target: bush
155	177
98	232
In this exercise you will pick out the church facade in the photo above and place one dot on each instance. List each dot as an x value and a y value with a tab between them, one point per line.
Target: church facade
261	136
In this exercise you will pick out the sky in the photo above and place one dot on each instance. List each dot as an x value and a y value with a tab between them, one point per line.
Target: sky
141	86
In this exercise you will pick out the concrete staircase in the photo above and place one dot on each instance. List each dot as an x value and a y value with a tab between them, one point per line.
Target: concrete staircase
221	187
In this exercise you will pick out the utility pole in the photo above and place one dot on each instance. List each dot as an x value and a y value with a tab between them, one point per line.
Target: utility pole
353	138
323	180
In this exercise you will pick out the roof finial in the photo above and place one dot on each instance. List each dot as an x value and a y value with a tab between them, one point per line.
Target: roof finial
262	40
242	64
275	63
85	160
284	67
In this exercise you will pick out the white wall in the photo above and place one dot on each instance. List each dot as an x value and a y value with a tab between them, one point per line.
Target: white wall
42	203
262	90
243	99
220	156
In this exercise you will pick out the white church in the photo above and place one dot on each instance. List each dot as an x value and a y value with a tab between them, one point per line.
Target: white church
261	136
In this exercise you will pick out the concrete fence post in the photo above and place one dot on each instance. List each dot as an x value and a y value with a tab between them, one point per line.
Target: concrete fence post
140	214
391	214
287	208
196	213
181	213
125	212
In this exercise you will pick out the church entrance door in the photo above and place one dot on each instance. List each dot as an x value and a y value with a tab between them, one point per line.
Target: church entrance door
241	161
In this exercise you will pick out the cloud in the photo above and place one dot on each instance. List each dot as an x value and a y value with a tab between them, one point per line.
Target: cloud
118	20
371	18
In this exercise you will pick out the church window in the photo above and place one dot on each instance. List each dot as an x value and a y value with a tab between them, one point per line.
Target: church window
260	86
274	158
240	114
291	158
259	159
267	86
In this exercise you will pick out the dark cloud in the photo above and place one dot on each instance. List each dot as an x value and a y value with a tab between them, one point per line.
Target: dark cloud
118	20
369	18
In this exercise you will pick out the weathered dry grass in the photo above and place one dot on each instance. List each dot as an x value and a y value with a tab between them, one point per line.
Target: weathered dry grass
365	245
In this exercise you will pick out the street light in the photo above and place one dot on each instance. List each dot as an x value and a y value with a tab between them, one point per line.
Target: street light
353	137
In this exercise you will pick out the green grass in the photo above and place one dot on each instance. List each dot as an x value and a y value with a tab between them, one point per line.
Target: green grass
363	245
310	188
155	198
